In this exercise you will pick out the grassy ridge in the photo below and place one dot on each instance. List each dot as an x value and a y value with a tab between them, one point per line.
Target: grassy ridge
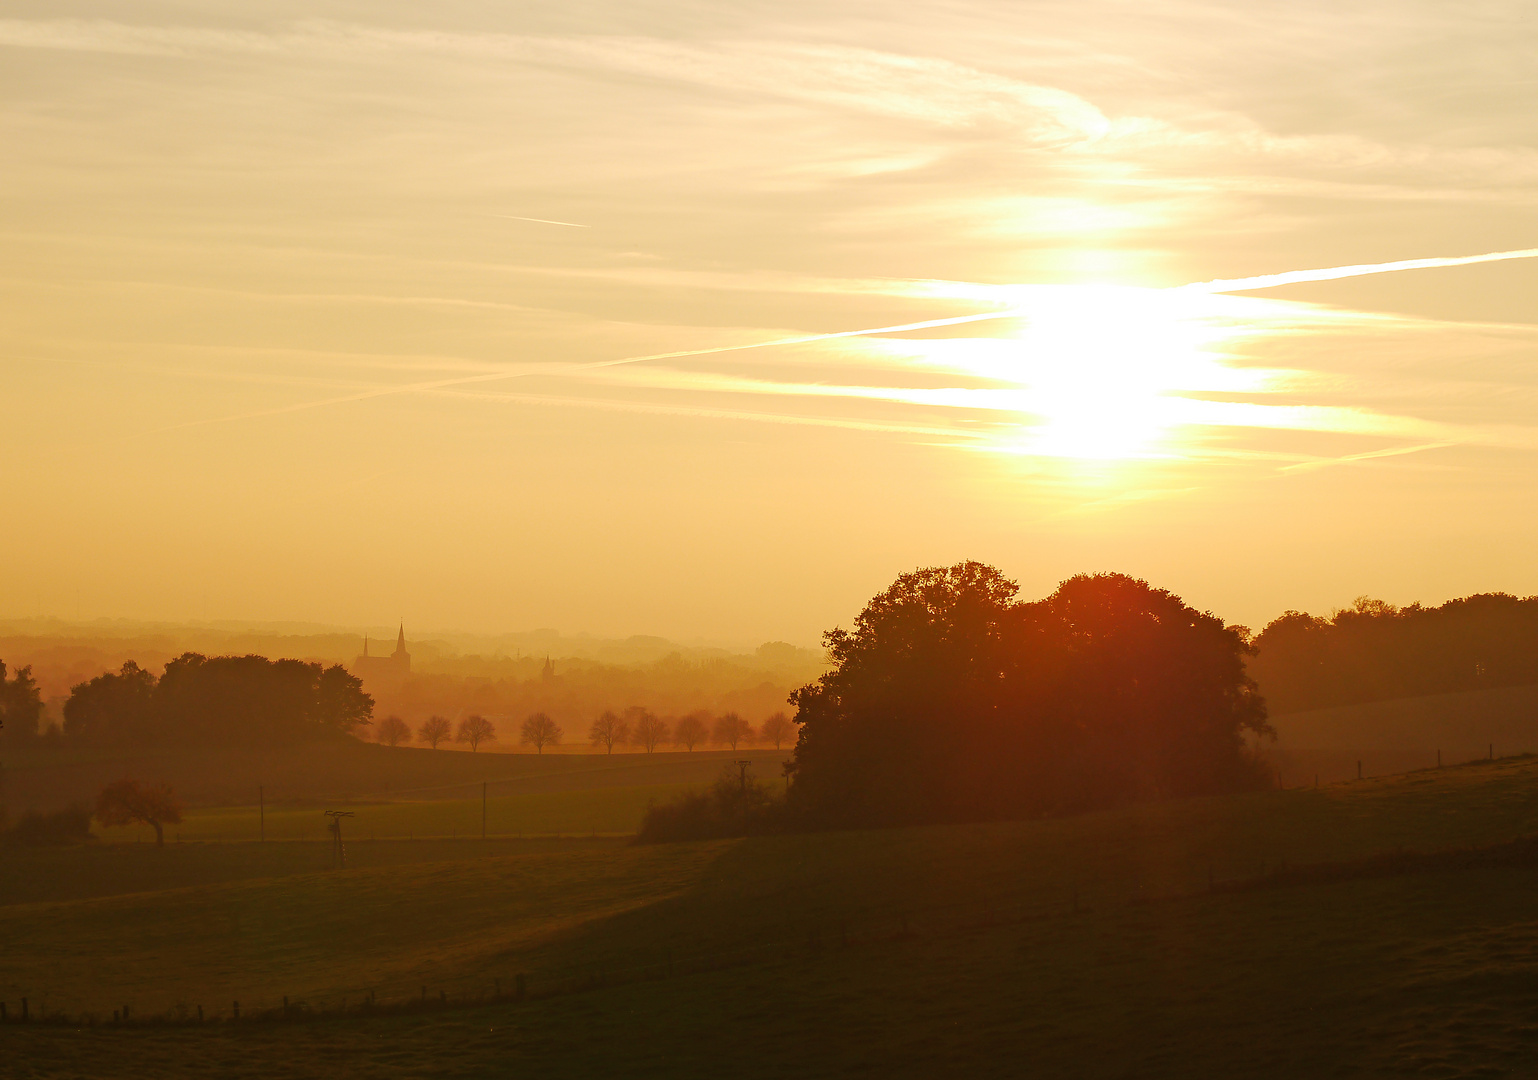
944	949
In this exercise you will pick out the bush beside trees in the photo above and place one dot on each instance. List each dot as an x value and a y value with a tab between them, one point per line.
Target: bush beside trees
731	807
71	825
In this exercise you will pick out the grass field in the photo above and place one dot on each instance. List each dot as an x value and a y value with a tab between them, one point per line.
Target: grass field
1106	945
612	811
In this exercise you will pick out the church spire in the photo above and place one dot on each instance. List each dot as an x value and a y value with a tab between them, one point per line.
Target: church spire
400	642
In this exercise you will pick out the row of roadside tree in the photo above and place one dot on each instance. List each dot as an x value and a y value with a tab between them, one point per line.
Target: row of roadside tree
636	727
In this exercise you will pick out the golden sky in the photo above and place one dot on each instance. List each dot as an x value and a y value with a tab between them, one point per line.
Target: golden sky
494	316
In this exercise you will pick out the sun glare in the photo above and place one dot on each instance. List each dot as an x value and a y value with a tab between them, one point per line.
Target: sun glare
1103	366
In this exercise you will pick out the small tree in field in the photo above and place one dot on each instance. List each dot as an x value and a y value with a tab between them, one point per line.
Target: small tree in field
778	729
646	729
475	729
125	802
539	731
607	730
730	729
691	730
393	731
434	730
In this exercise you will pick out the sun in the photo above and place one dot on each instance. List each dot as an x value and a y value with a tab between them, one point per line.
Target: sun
1105	367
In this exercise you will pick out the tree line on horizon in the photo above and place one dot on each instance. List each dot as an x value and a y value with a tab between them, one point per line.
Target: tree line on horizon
1374	651
637	726
1371	651
225	700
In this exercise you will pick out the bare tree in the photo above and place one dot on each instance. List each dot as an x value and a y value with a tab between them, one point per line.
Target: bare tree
607	730
475	729
691	730
393	731
730	729
645	728
434	730
777	729
539	731
125	802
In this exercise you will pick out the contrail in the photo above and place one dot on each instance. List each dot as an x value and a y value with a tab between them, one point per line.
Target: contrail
555	369
1334	273
542	221
1264	281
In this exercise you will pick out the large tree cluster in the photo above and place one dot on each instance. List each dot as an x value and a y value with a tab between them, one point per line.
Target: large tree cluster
952	699
1373	651
240	700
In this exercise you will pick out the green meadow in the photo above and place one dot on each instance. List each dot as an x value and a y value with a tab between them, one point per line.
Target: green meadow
1171	939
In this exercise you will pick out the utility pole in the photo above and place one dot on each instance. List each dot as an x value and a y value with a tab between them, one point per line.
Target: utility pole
335	827
743	765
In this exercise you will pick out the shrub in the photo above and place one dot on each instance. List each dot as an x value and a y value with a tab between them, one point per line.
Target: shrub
730	808
68	826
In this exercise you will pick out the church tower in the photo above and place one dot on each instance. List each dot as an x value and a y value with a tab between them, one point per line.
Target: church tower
400	658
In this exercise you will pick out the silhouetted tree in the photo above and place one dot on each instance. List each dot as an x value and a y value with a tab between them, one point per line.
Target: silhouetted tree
21	704
113	707
950	699
777	729
475	729
730	729
240	700
539	731
691	730
1373	651
125	802
393	731
646	729
607	730
434	730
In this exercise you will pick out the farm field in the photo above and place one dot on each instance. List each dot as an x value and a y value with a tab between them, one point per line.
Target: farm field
602	811
344	770
1159	940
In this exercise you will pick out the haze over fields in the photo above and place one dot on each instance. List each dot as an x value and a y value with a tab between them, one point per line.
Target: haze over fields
339	314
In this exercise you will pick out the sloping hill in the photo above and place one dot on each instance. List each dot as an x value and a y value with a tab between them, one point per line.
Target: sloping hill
1404	734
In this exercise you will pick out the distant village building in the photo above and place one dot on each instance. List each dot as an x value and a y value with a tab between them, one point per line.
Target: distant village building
395	667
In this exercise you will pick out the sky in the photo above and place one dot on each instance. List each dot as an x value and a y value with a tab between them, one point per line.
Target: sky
709	320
